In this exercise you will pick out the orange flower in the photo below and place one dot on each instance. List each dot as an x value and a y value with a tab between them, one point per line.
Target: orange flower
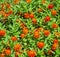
55	41
54	25
46	32
31	53
7	51
47	19
28	1
25	30
16	1
54	46
5	14
26	15
34	21
31	15
54	12
40	44
2	32
36	34
50	6
2	55
14	38
17	47
22	35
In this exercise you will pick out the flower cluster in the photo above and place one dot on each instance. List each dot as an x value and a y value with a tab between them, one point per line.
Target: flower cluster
29	28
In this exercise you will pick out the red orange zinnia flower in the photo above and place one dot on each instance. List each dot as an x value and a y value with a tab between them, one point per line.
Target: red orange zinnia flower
2	32
40	44
14	38
17	47
46	32
31	53
7	51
